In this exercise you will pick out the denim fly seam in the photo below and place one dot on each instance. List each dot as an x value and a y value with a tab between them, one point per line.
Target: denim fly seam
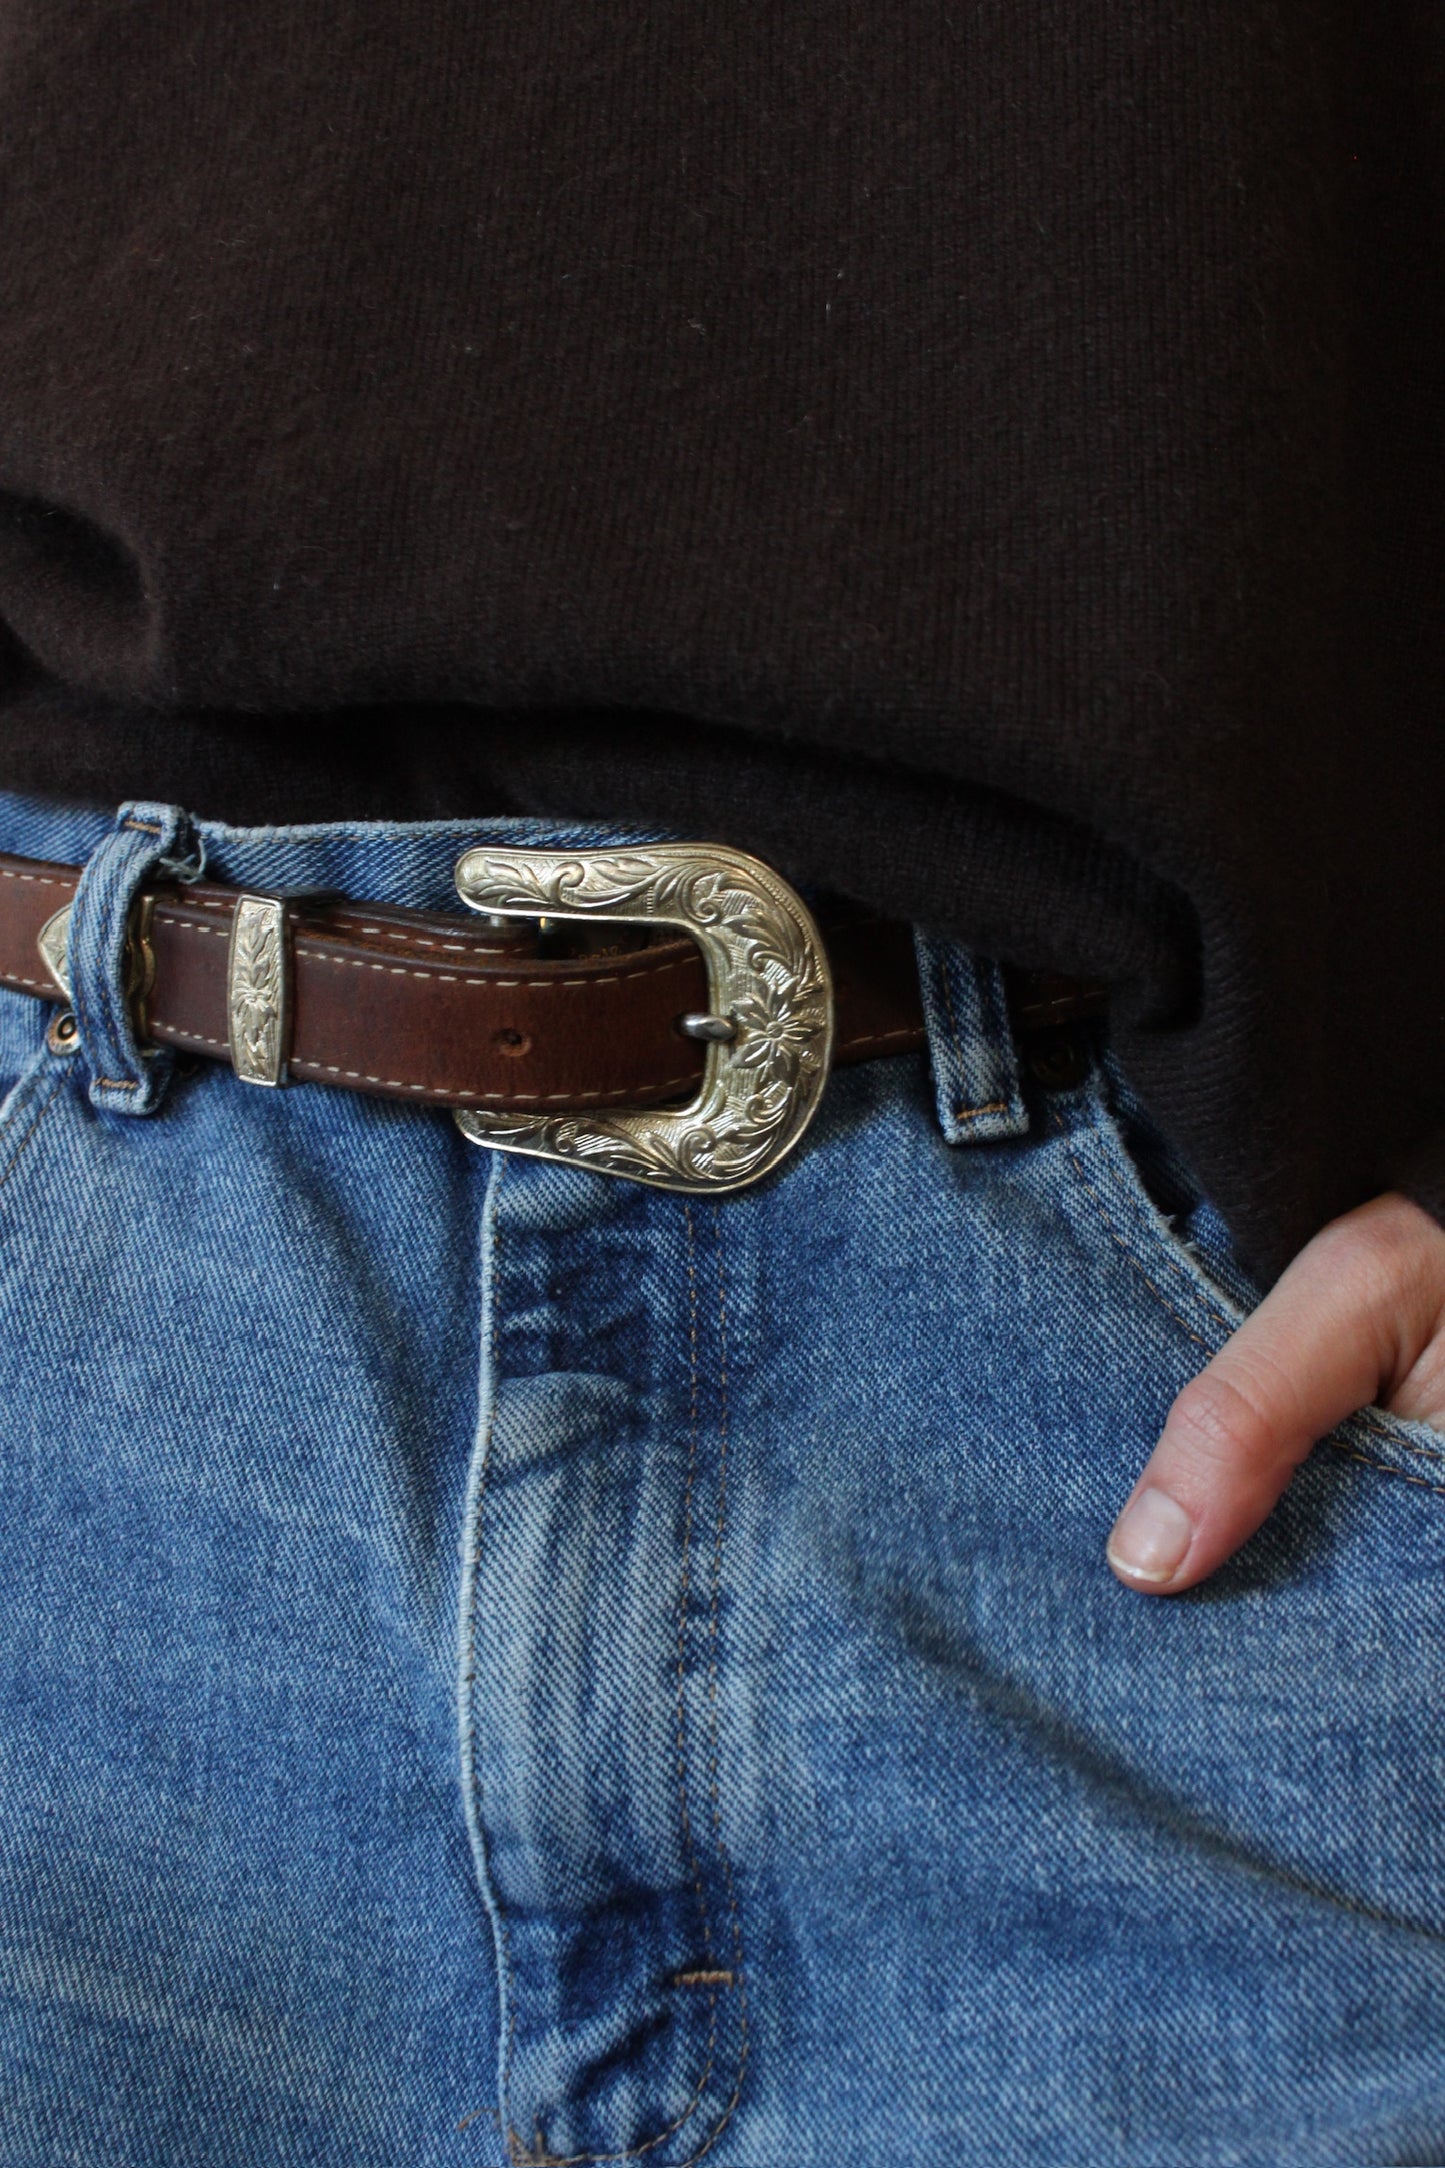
467	1606
713	1975
663	1921
654	1952
975	1065
123	1078
681	1977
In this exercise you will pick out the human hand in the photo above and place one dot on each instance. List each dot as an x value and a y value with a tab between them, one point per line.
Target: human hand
1358	1317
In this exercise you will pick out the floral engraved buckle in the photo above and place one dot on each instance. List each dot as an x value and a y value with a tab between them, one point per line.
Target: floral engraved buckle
769	1033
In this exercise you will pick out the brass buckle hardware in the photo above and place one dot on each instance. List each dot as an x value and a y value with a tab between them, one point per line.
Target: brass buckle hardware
768	983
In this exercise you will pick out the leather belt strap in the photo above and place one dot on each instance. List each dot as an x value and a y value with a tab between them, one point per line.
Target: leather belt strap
459	1012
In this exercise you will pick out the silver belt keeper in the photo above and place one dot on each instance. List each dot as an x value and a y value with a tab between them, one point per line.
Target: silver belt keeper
258	990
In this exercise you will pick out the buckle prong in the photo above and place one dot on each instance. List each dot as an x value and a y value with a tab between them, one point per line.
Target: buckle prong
768	1028
698	1026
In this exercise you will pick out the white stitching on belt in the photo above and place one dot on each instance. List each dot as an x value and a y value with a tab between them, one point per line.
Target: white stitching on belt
407	971
451	1091
158	1023
36	880
451	978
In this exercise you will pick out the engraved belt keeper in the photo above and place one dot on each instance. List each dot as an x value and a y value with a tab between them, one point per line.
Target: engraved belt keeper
258	990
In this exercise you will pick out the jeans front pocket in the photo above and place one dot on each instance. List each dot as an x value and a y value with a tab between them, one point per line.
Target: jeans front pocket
1183	1249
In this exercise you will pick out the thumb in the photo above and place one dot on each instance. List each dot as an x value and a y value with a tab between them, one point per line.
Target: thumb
1344	1323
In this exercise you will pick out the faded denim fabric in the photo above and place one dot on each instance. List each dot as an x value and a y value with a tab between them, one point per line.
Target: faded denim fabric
505	1665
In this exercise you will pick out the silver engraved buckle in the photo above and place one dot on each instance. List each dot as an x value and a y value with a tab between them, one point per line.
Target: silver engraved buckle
768	1033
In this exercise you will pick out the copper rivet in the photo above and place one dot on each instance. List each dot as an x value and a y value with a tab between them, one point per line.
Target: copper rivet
63	1037
1057	1060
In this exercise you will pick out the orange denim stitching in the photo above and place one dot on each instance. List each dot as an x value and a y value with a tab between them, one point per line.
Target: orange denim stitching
474	1561
46	1103
1199	1294
1401	1445
878	1038
538	2156
1401	1475
1104	1214
959	1113
719	1538
962	1113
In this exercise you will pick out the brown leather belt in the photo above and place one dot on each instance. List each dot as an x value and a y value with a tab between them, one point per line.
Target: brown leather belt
451	1011
472	1014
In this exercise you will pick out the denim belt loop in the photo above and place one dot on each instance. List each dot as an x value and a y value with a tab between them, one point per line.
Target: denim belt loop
970	1042
124	1078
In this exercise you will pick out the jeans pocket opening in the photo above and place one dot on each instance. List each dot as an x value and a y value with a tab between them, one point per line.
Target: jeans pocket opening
1172	1222
1143	1192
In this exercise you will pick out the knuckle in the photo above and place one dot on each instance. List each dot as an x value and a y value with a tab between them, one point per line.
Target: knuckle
1220	1423
1386	1254
1377	1246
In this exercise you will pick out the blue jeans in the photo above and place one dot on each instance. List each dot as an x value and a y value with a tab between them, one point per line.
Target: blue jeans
506	1665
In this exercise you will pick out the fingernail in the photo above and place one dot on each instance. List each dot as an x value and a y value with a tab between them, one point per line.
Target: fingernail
1150	1537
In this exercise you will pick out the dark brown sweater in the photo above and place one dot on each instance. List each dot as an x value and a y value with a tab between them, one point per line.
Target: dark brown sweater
988	459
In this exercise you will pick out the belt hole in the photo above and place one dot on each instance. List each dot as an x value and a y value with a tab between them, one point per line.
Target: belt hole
513	1043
